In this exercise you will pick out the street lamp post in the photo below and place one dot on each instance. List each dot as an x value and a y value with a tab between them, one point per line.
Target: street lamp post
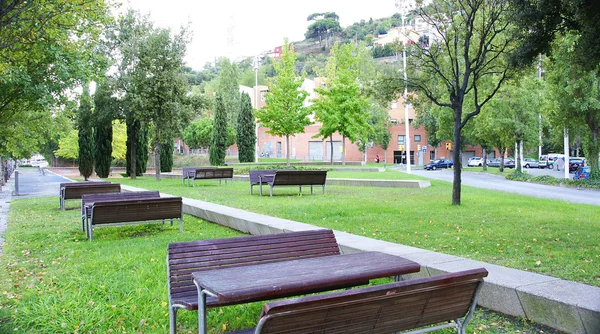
256	146
404	5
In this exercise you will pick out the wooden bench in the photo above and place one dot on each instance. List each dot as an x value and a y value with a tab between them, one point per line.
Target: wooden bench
135	211
74	190
446	301
87	200
184	258
296	178
206	174
256	175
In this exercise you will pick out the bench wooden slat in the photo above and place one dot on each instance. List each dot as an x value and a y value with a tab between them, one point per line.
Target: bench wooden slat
184	258
385	308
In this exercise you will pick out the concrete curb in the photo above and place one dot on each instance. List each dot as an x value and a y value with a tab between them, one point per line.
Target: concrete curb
567	306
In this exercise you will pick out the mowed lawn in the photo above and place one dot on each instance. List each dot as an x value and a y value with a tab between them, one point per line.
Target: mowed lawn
546	236
53	280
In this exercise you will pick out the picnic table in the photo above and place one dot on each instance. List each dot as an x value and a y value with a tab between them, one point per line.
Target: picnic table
266	281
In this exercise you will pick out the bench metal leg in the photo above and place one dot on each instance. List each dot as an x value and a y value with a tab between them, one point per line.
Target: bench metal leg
261	188
311	189
323	189
271	190
180	225
172	319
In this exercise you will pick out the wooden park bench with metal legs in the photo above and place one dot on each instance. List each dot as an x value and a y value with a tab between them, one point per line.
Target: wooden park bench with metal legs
74	190
208	173
184	258
444	301
88	200
135	211
295	178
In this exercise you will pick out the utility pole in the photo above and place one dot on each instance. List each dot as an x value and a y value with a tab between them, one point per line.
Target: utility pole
256	146
403	6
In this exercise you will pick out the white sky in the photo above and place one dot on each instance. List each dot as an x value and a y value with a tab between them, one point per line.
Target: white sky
258	25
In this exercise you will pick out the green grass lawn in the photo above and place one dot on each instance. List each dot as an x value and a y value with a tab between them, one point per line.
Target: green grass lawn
546	236
53	280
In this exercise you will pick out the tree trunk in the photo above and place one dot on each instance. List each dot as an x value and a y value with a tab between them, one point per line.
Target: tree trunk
157	160
343	151
521	155
456	184
2	180
484	163
331	153
287	149
592	152
504	152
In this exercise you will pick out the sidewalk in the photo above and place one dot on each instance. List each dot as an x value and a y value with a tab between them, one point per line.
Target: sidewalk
5	198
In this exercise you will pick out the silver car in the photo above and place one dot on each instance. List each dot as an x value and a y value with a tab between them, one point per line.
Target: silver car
530	163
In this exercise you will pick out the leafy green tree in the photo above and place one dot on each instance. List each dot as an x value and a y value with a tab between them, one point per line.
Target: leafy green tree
160	87
166	154
125	41
323	27
540	20
246	137
119	147
46	48
200	134
68	146
106	107
284	113
228	86
575	91
218	145
465	65
86	132
340	106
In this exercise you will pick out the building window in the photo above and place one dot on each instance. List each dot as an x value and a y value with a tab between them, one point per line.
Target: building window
394	122
410	121
394	105
400	140
432	155
262	95
417	138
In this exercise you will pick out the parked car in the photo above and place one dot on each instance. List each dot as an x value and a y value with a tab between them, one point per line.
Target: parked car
475	162
583	172
508	163
530	163
574	163
543	162
438	164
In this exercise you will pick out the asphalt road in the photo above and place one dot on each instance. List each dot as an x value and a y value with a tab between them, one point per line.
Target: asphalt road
31	183
500	183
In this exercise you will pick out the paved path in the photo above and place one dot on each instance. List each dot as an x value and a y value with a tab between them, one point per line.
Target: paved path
31	184
500	183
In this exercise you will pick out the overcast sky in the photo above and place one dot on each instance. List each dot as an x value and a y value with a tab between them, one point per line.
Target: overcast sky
256	25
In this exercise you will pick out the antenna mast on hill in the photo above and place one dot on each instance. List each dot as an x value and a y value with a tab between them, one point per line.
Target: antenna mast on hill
232	43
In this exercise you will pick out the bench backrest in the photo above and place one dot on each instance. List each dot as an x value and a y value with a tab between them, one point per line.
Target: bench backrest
384	308
107	197
76	189
255	174
300	177
136	210
184	258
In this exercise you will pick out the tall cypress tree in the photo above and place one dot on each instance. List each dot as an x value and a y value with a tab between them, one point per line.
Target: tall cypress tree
246	138
218	146
86	139
104	112
137	146
103	148
166	155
